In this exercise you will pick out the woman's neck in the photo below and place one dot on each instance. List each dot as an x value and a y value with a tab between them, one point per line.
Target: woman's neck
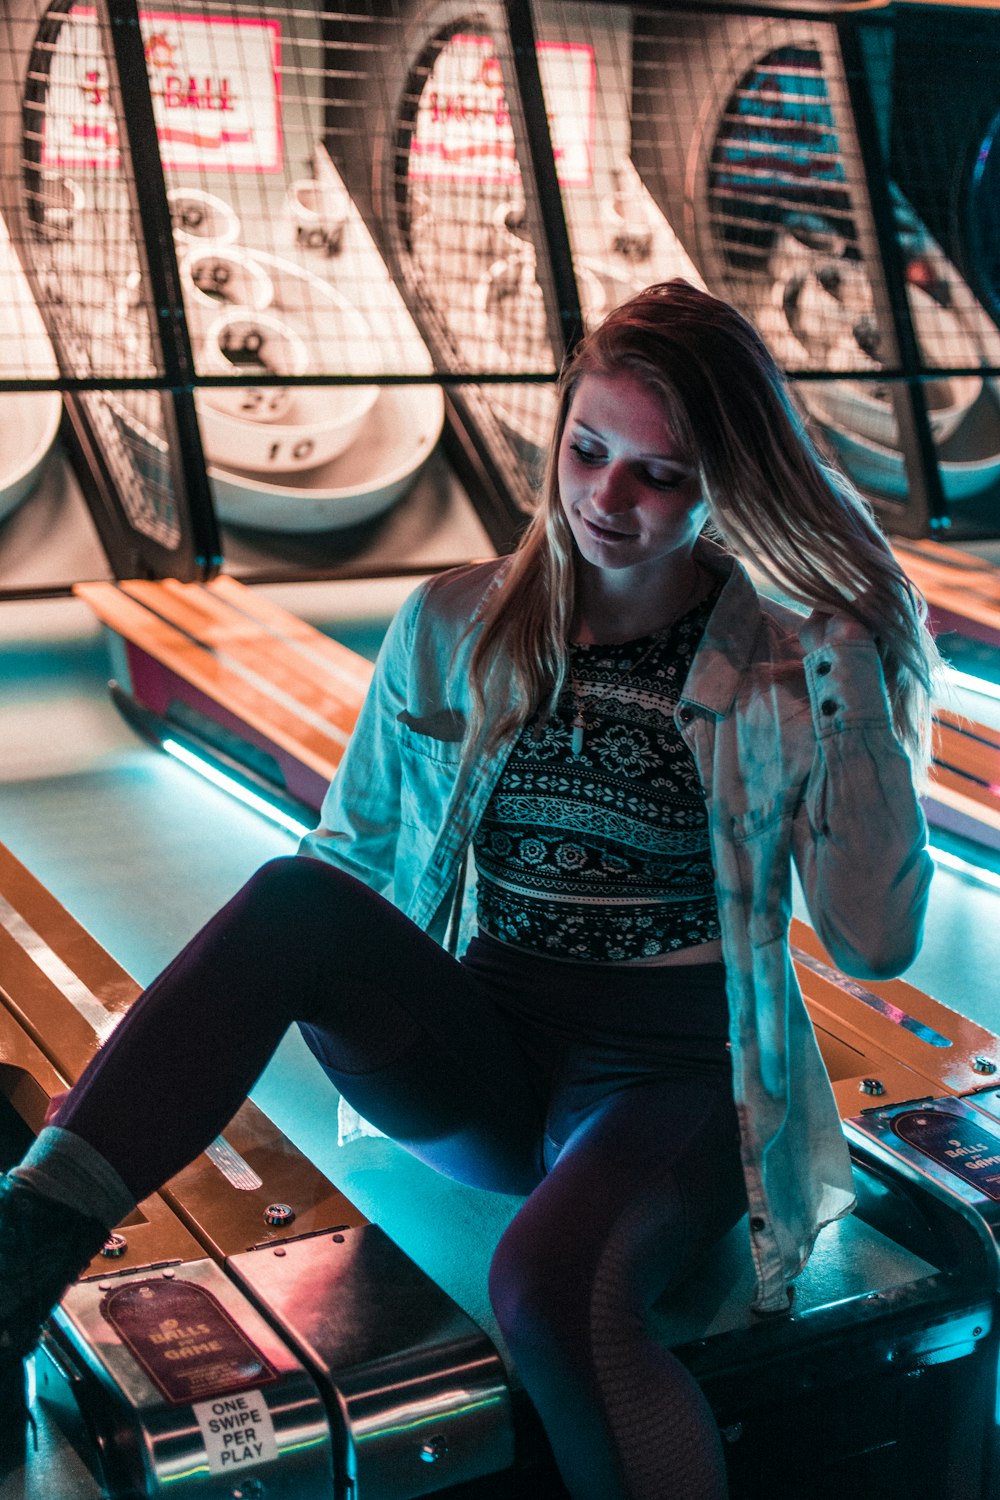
610	607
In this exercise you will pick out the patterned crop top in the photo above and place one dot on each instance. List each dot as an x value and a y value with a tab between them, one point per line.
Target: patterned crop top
598	851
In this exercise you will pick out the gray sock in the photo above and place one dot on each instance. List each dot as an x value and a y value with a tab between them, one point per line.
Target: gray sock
66	1168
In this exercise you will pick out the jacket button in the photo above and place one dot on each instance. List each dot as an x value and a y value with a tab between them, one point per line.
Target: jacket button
686	715
757	1223
822	668
828	706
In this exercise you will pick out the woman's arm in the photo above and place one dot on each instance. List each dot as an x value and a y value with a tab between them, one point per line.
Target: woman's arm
860	837
359	820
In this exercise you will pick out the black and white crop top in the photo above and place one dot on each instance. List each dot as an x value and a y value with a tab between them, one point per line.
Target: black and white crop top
594	847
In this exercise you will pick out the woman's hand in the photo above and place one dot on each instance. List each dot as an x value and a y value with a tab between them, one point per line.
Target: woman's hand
54	1104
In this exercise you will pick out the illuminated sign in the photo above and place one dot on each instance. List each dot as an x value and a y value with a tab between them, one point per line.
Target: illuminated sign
463	131
215	84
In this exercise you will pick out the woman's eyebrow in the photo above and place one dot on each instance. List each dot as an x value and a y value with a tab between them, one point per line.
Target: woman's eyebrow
678	460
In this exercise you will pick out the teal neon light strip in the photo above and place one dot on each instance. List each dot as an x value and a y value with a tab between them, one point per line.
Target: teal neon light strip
228	784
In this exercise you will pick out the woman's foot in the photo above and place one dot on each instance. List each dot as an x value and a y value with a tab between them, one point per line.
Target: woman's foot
43	1248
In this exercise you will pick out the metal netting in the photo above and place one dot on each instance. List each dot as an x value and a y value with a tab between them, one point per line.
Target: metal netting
70	205
332	200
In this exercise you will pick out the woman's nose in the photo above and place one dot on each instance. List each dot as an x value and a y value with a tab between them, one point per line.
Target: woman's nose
611	493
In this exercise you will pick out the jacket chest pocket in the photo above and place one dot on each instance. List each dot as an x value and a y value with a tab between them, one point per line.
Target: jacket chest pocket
428	767
762	840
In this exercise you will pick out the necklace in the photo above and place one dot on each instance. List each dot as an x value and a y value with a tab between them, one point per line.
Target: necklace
580	724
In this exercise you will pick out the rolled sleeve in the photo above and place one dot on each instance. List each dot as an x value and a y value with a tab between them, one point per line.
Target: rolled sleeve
860	833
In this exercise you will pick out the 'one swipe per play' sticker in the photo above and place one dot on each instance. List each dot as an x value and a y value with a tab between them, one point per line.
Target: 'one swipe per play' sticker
237	1430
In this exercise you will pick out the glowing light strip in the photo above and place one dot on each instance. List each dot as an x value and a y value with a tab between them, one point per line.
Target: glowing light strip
973	684
982	876
234	788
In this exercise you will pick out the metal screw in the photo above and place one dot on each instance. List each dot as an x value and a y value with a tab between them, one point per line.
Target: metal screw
733	1432
983	1065
871	1086
250	1489
114	1246
434	1448
278	1214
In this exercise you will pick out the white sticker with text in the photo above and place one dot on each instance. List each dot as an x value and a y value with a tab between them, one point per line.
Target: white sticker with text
238	1431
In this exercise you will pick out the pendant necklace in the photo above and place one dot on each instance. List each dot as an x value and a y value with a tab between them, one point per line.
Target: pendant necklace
580	724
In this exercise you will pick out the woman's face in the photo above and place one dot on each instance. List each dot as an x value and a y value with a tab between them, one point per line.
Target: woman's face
631	496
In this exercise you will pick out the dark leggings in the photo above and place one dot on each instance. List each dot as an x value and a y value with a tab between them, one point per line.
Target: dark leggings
602	1097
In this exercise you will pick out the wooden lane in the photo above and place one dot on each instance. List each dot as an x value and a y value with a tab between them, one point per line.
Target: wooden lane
61	995
889	1031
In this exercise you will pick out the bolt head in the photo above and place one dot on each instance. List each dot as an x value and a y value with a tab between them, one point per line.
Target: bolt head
434	1448
279	1214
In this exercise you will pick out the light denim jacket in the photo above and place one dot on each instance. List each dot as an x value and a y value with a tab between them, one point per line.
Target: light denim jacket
798	761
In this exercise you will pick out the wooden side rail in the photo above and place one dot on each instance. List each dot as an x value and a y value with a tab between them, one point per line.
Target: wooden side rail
889	1033
61	993
220	664
964	795
962	591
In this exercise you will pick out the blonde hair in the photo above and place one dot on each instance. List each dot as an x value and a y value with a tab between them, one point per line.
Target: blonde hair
773	501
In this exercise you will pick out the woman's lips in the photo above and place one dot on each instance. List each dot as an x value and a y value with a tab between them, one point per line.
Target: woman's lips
605	533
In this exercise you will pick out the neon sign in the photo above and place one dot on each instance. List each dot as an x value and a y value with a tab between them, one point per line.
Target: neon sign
463	131
215	83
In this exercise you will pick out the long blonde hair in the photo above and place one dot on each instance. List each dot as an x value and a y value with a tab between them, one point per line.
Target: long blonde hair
773	501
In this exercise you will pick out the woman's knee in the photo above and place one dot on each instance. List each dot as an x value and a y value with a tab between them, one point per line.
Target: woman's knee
290	876
294	890
537	1285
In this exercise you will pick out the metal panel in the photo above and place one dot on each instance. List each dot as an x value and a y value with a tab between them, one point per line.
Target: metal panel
418	1392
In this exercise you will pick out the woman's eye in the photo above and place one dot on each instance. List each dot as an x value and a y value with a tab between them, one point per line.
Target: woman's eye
586	455
671	481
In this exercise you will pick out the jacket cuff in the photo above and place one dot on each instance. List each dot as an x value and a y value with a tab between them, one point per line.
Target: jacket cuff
846	686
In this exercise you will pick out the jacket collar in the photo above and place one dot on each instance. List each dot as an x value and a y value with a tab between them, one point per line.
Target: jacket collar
730	638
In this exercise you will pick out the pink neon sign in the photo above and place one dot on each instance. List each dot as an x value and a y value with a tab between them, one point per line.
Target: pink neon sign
463	131
215	82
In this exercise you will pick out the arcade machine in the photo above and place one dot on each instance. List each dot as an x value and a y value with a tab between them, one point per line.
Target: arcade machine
246	310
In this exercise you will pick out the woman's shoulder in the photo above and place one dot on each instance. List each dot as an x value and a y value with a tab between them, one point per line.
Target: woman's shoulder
752	613
455	595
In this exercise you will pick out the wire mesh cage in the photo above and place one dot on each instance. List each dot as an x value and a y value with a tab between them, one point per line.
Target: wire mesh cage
246	240
780	180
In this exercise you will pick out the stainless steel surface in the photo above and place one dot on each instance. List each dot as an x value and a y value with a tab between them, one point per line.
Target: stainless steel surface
952	1174
418	1390
188	1390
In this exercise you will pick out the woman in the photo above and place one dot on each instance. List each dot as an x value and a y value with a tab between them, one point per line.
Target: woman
636	748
